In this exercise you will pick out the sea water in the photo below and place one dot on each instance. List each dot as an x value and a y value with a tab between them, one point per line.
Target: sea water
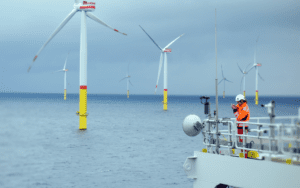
128	142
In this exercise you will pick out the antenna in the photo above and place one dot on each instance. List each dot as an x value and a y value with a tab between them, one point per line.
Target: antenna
217	120
216	66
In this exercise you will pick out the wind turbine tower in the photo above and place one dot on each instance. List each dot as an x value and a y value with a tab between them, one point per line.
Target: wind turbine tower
163	57
244	72
65	79
85	8
256	87
256	65
128	81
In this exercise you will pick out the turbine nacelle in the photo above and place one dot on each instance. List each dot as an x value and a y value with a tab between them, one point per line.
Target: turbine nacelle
257	64
86	6
168	50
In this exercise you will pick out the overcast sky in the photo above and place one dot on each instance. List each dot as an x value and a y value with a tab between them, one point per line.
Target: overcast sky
26	26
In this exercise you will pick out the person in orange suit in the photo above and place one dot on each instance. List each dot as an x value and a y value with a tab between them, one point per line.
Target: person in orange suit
242	113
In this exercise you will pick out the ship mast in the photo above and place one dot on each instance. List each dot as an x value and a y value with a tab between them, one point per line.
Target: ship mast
217	120
216	66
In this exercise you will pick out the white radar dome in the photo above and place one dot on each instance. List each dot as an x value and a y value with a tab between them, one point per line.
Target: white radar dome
190	125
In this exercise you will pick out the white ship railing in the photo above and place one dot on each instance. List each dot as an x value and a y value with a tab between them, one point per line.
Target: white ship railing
279	141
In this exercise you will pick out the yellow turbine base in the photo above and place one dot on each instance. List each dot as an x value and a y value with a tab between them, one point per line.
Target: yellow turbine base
245	94
165	99
127	93
223	94
256	97
82	109
65	95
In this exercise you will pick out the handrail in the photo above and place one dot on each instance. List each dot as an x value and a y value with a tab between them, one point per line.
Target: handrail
279	134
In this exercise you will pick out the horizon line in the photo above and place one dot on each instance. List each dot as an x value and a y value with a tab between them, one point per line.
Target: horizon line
290	95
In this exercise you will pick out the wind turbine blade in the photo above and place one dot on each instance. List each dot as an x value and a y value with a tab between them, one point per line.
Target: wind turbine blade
255	57
93	17
63	23
251	69
247	67
228	81
130	82
151	38
128	70
222	72
220	81
66	61
255	50
122	79
240	68
173	41
58	71
260	77
159	69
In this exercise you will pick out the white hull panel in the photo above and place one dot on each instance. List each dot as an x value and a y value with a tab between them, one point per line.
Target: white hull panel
209	170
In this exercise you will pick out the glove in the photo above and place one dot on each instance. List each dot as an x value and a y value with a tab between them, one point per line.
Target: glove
233	106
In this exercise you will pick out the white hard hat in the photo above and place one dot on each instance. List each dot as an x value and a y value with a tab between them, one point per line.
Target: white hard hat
239	97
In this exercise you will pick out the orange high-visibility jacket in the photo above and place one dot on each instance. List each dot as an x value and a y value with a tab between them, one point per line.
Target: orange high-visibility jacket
242	112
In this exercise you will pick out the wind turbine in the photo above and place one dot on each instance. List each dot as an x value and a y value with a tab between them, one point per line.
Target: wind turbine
85	8
163	57
256	65
244	72
224	79
65	80
128	81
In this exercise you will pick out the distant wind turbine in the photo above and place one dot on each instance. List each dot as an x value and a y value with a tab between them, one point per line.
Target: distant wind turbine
163	56
128	81
244	72
224	79
65	80
256	65
85	8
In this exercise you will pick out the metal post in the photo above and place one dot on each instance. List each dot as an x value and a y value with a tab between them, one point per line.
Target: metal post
216	65
217	121
230	138
298	136
244	141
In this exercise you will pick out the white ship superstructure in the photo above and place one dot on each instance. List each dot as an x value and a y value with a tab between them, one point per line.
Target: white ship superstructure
268	155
